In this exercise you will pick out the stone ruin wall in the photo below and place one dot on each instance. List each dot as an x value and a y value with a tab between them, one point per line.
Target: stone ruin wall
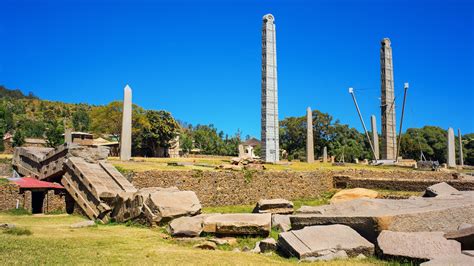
10	193
218	188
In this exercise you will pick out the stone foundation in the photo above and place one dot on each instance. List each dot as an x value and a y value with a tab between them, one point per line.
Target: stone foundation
10	194
218	188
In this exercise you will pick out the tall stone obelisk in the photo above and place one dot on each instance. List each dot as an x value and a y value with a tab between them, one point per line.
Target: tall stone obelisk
269	122
309	136
451	149
375	136
461	156
389	134
126	136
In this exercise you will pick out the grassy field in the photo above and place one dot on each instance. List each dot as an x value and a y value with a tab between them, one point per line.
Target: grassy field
53	242
140	164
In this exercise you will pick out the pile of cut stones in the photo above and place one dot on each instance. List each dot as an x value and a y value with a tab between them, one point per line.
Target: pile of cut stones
434	229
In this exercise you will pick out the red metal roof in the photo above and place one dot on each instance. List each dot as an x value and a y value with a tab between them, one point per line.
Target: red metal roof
29	182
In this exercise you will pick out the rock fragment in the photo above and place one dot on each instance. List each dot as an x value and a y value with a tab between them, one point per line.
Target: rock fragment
464	236
352	194
239	224
416	246
440	189
275	206
315	241
83	224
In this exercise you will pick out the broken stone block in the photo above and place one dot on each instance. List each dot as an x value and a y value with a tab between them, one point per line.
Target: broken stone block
167	205
370	216
315	241
7	226
329	255
224	240
83	224
468	252
451	260
440	189
281	222
417	246
267	245
352	194
275	206
186	226
464	236
464	226
206	245
239	224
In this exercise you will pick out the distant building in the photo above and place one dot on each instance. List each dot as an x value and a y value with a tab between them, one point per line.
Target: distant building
29	142
247	148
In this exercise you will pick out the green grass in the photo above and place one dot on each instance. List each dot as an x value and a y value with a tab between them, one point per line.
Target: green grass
53	242
320	200
3	181
18	231
19	211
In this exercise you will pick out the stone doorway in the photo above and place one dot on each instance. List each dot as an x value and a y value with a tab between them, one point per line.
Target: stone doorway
37	200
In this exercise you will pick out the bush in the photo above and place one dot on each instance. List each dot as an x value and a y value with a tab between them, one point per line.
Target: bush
18	231
19	211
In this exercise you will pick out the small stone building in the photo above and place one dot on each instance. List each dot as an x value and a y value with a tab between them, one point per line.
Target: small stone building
32	195
247	148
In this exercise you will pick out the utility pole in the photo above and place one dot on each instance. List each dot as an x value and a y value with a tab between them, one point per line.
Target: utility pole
401	120
351	91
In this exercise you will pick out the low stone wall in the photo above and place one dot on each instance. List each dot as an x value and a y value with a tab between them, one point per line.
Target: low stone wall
218	188
398	184
5	167
9	194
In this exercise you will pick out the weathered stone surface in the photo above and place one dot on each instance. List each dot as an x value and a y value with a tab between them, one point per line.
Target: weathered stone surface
83	224
329	255
281	222
468	252
267	245
370	216
206	245
416	245
440	189
464	236
277	206
126	136
352	194
464	226
451	260
186	226
239	224
224	240
7	226
314	241
451	149
168	205
309	136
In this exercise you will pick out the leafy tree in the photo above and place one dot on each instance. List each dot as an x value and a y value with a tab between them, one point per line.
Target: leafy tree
186	141
18	139
81	120
293	136
54	134
160	129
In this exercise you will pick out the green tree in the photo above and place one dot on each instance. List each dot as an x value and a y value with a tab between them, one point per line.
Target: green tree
160	129
186	141
293	136
18	139
54	133
81	120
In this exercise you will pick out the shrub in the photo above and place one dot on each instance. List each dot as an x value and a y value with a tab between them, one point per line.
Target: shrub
18	231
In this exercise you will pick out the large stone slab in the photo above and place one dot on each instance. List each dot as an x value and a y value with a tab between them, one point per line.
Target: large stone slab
370	216
239	224
276	206
352	194
315	241
188	226
416	246
464	236
440	189
451	260
281	222
169	204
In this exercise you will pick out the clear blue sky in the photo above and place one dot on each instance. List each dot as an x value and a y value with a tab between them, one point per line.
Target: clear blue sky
201	60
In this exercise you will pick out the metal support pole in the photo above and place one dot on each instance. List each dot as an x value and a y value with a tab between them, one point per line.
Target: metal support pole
351	91
401	120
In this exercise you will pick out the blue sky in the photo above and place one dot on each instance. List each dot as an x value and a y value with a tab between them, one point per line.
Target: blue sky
201	60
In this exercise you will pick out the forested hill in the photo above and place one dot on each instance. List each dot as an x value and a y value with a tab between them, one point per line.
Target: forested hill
26	116
15	94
